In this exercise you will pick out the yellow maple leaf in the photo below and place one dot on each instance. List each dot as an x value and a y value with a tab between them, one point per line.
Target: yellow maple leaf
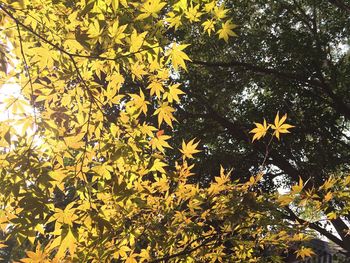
75	141
279	125
161	183
173	93
137	70
42	56
226	30
115	4
137	41
122	252
94	30
140	102
260	130
144	255
209	26
220	12
298	187
177	56
156	87
328	183
147	129
174	20
131	258
150	8
304	252
158	166
209	7
328	196
331	216
38	256
68	242
181	5
117	32
189	149
285	199
159	142
115	82
103	170
165	113
193	13
66	216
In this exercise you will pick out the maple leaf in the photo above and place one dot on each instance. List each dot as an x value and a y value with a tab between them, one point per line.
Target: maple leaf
162	183
160	133
189	148
155	87
138	70
147	129
165	113
209	26
328	196
151	8
173	93
177	56
209	7
66	216
75	142
298	187
115	81
103	171
226	30
220	12
37	256
122	252
331	216
281	127
260	130
285	199
160	142
174	20
115	4
67	242
94	29
131	258
193	13
117	32
304	252
144	255
158	166
140	102
137	40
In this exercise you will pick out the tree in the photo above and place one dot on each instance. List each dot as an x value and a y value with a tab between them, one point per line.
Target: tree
79	184
290	56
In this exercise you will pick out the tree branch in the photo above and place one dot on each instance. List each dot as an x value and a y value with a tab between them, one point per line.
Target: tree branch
338	104
185	251
260	69
234	129
340	4
339	242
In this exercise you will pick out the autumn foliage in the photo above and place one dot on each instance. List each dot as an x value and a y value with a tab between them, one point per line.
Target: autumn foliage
84	171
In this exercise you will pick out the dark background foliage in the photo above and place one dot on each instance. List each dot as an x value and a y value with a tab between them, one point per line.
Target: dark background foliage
290	56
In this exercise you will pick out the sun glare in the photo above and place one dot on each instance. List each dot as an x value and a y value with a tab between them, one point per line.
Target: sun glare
15	110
